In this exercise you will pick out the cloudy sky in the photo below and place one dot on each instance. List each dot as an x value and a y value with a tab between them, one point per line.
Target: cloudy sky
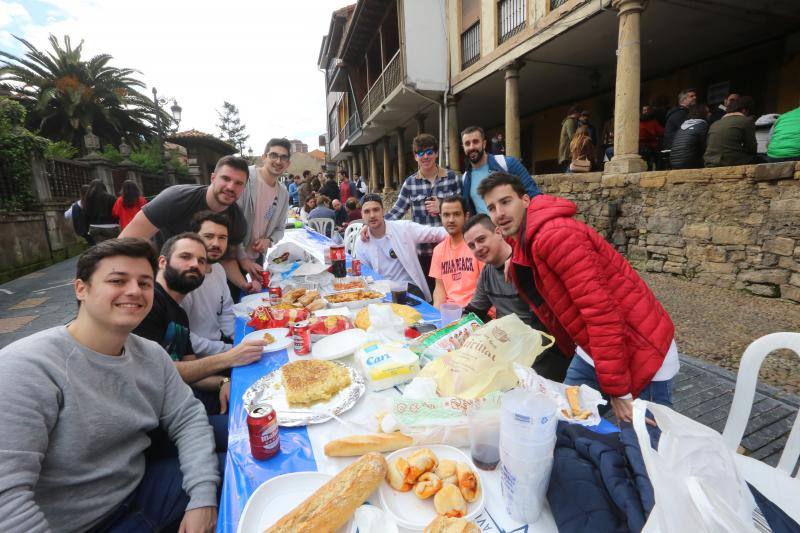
261	55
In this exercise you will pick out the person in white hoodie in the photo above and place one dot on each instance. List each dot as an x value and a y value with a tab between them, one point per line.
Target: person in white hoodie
390	246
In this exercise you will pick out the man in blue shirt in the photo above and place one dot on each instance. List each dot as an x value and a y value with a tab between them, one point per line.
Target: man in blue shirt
481	164
294	190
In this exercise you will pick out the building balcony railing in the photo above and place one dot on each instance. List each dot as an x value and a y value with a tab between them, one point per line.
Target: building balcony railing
389	80
471	45
554	4
511	17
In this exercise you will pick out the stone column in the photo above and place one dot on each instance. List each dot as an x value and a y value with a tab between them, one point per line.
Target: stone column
373	168
512	108
362	161
402	172
626	100
420	124
387	166
453	140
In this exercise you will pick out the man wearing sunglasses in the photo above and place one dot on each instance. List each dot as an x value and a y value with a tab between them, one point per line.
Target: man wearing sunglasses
264	202
481	164
423	190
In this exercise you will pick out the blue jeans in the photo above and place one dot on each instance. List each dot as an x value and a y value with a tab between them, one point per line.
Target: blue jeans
157	504
580	372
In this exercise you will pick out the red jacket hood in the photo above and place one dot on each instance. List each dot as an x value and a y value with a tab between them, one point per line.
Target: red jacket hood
543	208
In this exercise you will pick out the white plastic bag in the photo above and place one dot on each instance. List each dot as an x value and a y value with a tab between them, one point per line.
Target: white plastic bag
589	397
694	476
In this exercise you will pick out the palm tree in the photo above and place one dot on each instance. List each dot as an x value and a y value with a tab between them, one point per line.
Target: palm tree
64	94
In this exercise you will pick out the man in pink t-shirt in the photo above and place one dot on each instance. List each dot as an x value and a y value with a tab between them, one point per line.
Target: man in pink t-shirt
453	265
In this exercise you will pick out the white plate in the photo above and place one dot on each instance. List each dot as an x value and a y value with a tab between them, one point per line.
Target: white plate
259	298
280	334
409	511
277	497
358	304
339	344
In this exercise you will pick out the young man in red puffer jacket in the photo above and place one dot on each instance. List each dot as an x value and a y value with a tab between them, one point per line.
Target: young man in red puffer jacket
587	295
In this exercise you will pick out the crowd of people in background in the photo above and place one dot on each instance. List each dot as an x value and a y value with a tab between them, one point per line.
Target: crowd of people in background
689	135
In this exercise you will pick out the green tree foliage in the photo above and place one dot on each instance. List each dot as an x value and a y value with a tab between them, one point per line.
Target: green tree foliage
230	126
60	150
64	93
17	144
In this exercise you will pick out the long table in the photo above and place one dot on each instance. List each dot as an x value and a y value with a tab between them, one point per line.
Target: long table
301	447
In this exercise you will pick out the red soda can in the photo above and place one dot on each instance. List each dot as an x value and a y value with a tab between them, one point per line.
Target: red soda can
265	278
262	424
337	253
301	336
356	267
275	295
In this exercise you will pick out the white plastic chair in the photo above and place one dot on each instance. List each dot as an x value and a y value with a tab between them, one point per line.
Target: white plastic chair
351	234
777	484
323	226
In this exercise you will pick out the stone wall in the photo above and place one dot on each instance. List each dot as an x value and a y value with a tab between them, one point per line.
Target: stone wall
733	227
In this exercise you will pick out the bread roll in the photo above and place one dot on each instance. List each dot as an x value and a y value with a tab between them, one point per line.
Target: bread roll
443	524
421	461
361	444
447	472
467	482
333	504
427	485
396	474
450	502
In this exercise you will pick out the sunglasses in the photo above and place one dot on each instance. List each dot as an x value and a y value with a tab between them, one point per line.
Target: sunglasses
275	157
429	151
392	254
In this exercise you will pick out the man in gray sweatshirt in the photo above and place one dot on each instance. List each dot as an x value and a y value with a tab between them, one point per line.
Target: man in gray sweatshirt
78	402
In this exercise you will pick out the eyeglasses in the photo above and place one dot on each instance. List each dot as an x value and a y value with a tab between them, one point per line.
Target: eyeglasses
275	157
429	151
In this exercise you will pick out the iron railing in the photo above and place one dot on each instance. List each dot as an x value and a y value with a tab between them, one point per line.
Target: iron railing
511	15
471	45
389	80
350	128
66	177
556	4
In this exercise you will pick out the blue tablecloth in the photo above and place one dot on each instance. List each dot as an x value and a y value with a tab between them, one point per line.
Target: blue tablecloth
243	474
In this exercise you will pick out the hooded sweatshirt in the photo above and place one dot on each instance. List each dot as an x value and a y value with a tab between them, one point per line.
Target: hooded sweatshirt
588	295
689	144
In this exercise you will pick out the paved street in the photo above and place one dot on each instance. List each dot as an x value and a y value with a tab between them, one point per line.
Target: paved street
716	323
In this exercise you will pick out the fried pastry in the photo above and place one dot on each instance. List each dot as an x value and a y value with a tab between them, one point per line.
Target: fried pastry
467	482
419	462
447	472
427	485
450	502
396	475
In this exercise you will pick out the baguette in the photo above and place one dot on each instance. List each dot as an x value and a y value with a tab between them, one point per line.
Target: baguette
361	444
333	504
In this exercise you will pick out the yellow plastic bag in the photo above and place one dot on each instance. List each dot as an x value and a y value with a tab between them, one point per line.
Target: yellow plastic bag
484	363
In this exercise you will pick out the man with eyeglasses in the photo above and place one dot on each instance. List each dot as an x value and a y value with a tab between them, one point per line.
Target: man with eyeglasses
481	164
390	249
423	190
265	203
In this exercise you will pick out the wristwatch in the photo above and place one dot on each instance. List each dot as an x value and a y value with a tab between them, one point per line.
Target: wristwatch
223	382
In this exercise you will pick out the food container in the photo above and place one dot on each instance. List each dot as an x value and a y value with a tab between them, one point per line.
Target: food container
349	283
356	303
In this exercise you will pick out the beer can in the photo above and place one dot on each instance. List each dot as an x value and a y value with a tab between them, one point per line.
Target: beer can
301	336
265	278
262	424
356	267
275	295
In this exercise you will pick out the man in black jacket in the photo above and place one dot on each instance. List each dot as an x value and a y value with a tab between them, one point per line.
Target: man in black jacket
677	115
330	188
689	143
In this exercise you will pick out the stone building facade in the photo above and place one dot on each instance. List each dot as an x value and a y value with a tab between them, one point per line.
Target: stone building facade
732	227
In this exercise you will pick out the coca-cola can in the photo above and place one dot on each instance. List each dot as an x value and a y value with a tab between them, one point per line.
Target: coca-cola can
262	424
301	336
265	278
356	267
275	295
337	253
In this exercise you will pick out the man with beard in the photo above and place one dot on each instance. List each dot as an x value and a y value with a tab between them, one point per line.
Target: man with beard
481	164
210	306
486	241
181	269
454	266
587	295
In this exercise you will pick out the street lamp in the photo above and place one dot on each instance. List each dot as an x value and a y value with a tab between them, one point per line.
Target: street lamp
176	111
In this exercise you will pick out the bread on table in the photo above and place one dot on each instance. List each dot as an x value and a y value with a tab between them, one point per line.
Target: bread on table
361	444
443	524
396	474
419	462
447	471
467	482
427	485
333	504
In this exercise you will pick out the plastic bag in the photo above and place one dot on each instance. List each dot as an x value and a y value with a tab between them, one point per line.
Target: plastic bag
484	362
590	398
435	344
384	324
694	476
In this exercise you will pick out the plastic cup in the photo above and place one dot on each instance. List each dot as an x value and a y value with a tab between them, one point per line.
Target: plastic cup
484	435
449	313
399	292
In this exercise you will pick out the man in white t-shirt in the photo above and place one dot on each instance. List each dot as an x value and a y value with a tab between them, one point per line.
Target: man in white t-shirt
210	306
390	248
